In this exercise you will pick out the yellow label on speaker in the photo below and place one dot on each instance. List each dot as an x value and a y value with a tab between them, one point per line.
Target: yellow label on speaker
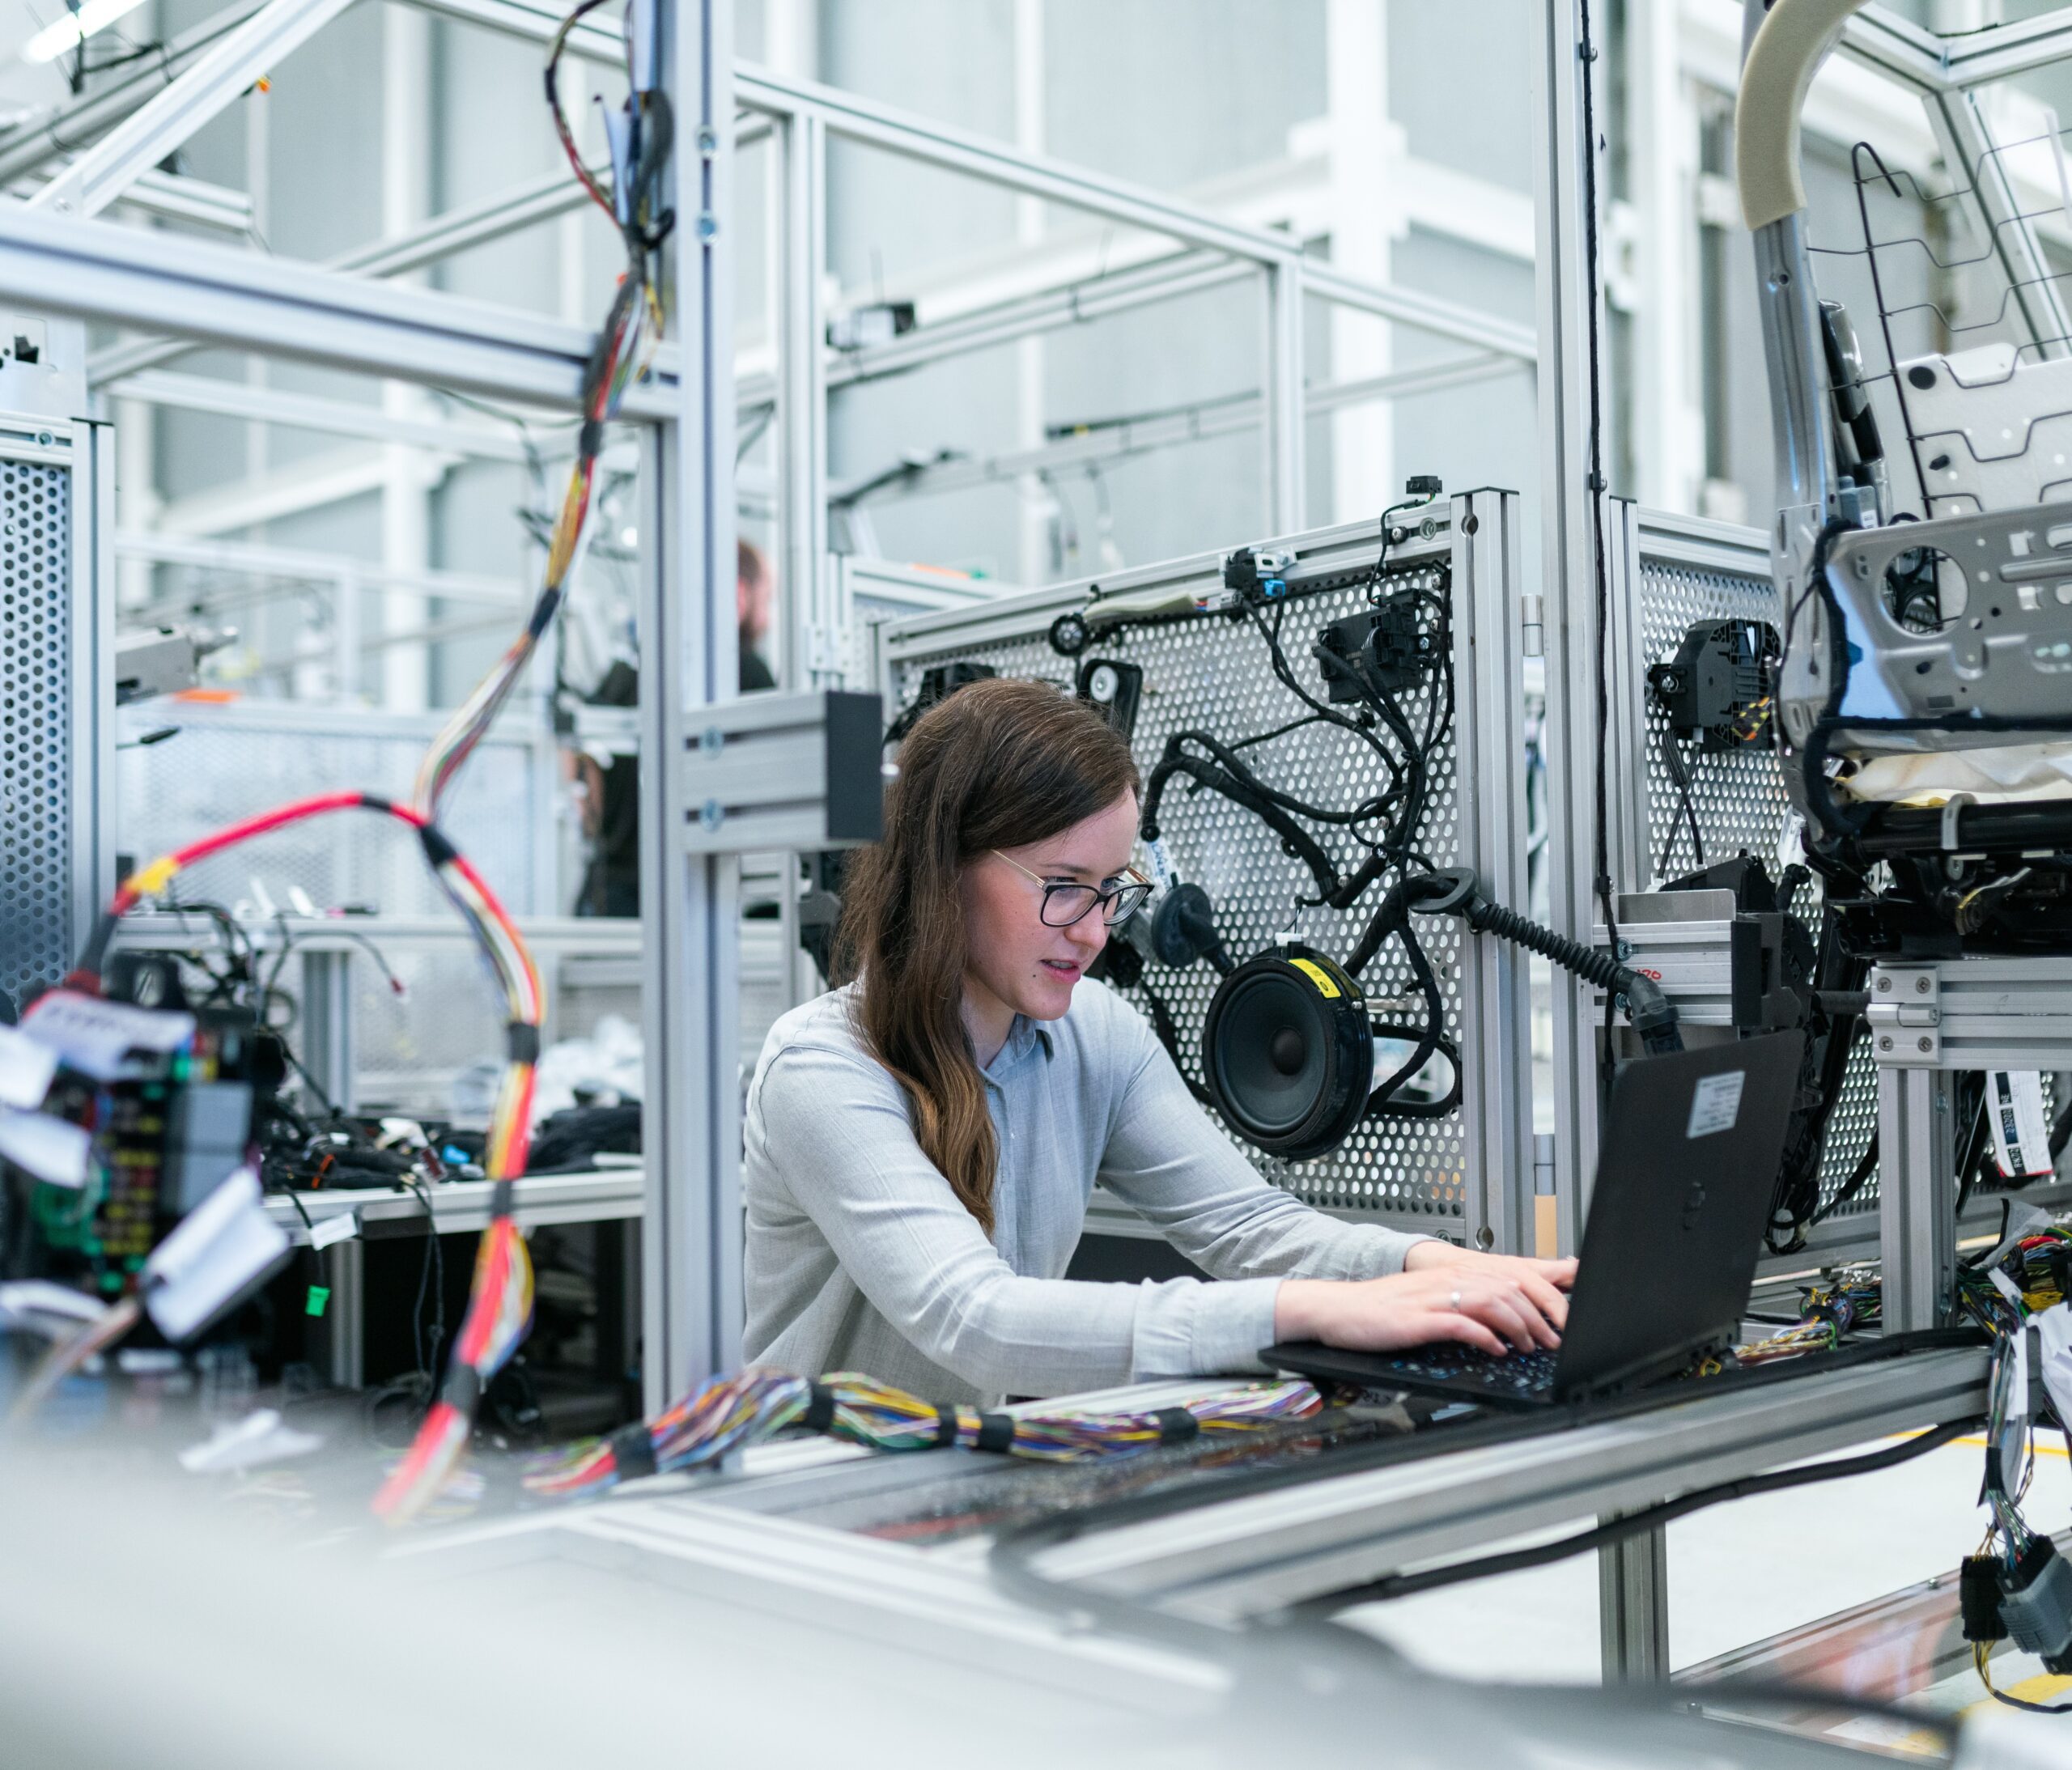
1318	975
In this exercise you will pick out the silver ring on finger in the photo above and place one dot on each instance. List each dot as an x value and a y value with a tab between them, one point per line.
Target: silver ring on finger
1456	1302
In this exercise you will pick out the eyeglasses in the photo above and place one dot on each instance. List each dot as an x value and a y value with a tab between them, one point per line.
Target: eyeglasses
1065	902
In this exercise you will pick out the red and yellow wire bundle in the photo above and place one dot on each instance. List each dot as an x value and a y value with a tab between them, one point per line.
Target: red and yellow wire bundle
500	1302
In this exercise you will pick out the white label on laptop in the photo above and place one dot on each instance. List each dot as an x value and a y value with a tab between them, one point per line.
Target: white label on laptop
1716	1103
2014	1107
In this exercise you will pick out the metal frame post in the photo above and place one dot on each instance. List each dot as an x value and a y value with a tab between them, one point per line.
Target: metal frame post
691	1240
1632	1608
1568	553
1496	988
1286	415
1917	1196
802	405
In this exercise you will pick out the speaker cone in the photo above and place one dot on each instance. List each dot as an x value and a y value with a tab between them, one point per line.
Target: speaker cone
1288	1052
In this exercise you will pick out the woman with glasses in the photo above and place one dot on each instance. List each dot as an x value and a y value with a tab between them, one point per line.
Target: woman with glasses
921	1143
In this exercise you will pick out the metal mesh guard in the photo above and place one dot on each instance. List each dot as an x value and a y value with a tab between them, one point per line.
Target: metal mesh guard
1210	675
36	712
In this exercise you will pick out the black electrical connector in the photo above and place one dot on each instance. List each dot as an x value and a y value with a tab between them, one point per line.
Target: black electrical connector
1978	1598
939	681
1388	645
1720	685
1183	930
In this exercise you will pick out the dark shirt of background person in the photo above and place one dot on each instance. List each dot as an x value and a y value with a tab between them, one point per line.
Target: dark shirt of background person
611	885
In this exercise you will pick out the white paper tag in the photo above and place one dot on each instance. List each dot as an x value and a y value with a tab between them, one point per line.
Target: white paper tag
2014	1108
222	1247
96	1036
2007	1287
1716	1103
54	1150
341	1227
1161	871
259	1438
42	1307
26	1068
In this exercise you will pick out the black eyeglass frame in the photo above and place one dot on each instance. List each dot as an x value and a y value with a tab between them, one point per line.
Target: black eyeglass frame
1126	899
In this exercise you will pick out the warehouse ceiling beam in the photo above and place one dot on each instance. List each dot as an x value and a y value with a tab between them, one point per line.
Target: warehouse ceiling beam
853	117
216	294
1005	322
295	567
65	128
1100	447
443	236
214	81
175	197
261	405
1896	46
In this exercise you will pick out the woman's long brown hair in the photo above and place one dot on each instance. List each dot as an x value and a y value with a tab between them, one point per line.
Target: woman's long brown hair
998	764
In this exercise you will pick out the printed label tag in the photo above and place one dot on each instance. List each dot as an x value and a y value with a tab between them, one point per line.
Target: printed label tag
1161	872
1318	975
27	1066
1716	1104
341	1227
95	1037
2013	1106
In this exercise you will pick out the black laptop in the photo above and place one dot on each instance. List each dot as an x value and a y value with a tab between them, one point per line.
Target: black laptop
1687	1163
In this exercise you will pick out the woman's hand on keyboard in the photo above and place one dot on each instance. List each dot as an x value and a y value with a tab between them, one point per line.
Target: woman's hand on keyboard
1494	1302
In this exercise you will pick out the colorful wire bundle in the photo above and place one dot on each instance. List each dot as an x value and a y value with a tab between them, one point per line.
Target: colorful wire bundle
728	1412
626	346
500	1304
1835	1303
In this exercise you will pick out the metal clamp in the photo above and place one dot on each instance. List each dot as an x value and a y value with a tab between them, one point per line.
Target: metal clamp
774	772
1905	1017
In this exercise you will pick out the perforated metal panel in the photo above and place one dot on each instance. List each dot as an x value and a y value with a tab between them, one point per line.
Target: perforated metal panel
1215	675
36	759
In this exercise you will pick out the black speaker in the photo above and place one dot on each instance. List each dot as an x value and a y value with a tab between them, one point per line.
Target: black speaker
1289	1053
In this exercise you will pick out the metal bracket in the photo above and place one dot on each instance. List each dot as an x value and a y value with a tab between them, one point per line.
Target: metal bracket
1905	1017
784	771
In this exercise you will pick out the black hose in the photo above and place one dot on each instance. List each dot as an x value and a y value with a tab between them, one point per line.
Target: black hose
1647	1008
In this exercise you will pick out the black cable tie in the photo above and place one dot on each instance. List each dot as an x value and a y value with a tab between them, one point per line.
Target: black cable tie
633	1451
1176	1425
438	850
996	1431
377	802
945	1422
501	1198
463	1389
521	1042
820	1409
590	440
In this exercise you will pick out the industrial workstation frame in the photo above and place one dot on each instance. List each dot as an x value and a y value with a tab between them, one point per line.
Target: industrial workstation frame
189	293
1945	76
69	264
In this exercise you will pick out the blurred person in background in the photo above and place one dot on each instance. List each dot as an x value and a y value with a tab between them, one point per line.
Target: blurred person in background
610	793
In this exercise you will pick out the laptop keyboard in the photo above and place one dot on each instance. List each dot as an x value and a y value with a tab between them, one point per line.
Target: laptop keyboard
1523	1372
